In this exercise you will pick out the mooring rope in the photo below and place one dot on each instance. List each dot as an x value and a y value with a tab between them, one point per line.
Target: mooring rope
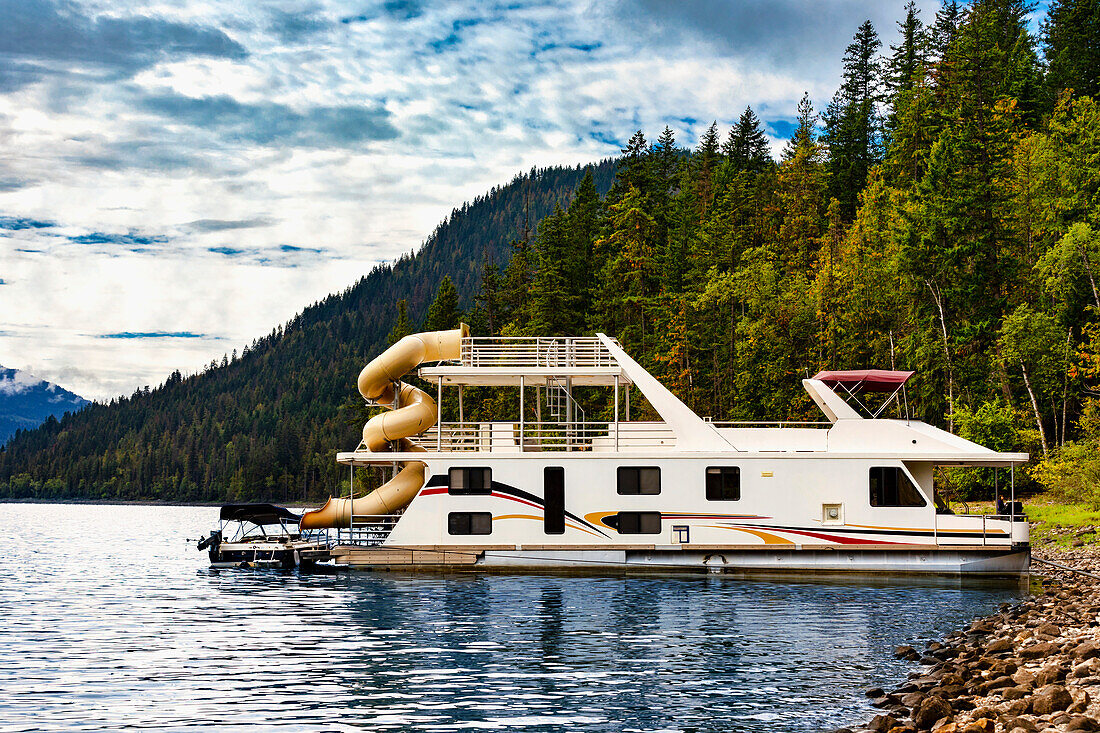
1059	565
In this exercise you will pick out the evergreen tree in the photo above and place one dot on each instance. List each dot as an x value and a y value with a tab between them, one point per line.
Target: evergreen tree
853	134
443	313
402	327
1071	45
747	146
946	27
907	65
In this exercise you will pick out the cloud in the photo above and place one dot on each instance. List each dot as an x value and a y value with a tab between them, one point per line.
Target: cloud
16	382
223	225
299	25
121	239
153	335
269	123
41	36
18	223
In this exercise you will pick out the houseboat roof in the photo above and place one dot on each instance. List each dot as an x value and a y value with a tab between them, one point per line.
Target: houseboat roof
865	380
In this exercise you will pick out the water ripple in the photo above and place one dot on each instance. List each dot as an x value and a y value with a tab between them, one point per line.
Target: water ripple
110	619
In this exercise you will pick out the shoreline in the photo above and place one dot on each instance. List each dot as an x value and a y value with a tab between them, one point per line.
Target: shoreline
1030	666
151	502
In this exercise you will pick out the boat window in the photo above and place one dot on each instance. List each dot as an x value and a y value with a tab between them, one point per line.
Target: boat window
639	480
639	522
469	523
553	485
470	481
891	486
723	483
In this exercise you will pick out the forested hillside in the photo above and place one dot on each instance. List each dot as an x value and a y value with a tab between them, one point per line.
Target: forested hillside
266	423
941	213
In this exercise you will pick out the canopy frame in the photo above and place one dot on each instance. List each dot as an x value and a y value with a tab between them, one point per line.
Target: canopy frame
848	385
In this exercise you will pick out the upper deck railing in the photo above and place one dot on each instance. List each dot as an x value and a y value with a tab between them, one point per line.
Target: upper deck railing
536	351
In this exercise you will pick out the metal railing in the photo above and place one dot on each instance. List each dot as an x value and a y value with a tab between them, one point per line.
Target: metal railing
769	423
365	530
988	537
549	436
535	351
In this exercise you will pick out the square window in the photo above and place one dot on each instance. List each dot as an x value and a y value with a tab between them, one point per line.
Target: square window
891	487
639	522
466	523
723	483
635	480
470	481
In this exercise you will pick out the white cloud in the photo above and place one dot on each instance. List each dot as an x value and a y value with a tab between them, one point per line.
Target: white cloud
179	182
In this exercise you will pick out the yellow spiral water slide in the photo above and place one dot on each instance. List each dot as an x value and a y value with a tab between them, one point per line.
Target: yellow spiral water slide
415	412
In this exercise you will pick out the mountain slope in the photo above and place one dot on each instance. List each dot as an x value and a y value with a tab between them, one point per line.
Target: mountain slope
267	424
26	401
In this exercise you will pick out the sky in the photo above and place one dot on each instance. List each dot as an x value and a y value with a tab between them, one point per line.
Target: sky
178	178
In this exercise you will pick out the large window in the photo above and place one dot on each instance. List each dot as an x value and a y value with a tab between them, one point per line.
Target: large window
890	486
469	523
553	486
639	522
723	483
639	480
470	481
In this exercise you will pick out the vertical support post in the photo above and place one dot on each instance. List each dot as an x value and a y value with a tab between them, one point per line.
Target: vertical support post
628	403
521	413
616	412
461	415
351	499
568	413
439	415
1012	506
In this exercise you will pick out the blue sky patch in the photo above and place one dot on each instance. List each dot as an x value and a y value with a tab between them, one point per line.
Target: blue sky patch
153	335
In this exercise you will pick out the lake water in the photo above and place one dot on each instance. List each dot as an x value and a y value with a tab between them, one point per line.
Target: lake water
110	619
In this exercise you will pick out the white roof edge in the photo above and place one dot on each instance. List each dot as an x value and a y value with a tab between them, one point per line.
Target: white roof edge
691	431
829	401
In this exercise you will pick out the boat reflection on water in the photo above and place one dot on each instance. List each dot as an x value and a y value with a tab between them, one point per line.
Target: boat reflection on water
442	652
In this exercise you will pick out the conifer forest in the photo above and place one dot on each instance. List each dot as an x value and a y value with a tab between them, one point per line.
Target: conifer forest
940	213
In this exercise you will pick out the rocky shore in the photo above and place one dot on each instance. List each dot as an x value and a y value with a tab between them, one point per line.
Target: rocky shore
1033	666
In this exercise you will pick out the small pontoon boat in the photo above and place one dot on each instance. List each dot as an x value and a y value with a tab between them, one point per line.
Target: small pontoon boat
260	536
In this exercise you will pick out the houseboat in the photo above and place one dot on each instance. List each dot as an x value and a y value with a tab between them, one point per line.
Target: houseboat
549	487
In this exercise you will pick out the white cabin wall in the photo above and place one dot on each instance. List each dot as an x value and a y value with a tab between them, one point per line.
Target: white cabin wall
792	496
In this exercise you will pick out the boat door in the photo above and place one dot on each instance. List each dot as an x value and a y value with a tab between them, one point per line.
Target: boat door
553	493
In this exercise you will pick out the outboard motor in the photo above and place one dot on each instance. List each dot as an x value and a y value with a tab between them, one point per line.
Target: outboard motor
213	541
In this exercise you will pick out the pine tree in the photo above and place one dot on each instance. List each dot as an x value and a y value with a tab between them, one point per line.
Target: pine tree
906	67
1071	45
633	168
945	29
402	327
801	191
747	146
443	313
853	128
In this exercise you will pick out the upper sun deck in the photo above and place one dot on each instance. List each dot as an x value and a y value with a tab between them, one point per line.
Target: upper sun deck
515	361
554	421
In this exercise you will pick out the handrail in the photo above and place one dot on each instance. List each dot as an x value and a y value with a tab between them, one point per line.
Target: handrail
535	351
571	436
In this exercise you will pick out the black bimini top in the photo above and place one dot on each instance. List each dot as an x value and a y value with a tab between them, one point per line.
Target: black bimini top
257	513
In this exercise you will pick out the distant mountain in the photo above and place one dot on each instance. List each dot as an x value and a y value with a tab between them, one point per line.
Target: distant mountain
27	401
265	425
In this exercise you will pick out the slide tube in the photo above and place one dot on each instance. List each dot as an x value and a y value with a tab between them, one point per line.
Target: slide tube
415	412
